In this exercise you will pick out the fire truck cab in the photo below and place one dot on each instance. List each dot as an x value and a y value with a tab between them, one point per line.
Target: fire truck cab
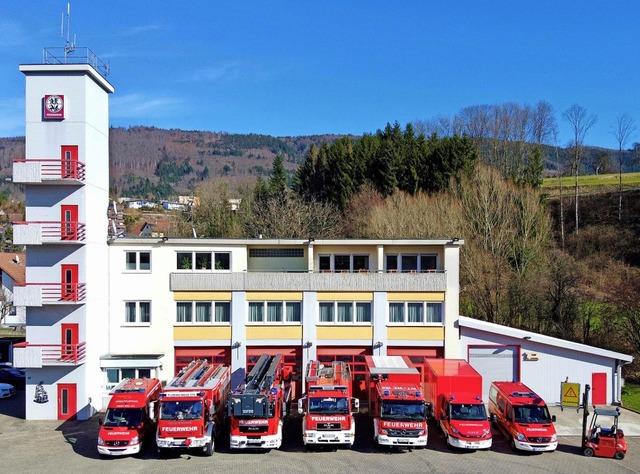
328	407
129	422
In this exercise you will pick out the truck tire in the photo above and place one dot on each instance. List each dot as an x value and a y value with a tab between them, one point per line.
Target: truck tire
588	452
513	445
619	455
208	448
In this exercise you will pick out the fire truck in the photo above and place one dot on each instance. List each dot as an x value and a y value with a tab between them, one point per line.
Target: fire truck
257	408
130	419
192	407
328	406
396	402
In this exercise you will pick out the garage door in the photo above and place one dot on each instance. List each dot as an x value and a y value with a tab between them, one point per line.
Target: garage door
354	358
292	359
495	363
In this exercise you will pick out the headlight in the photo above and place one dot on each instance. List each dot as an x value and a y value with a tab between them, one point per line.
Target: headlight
421	433
486	433
554	438
383	431
521	437
455	430
135	440
310	435
100	441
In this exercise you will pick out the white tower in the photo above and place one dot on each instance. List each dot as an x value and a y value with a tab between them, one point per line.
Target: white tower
65	175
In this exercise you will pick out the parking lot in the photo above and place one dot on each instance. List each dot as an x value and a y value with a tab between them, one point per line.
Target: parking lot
54	446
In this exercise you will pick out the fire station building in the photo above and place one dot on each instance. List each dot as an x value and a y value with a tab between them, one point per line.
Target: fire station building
99	310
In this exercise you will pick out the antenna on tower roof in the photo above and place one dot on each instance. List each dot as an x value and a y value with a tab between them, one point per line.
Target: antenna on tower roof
68	47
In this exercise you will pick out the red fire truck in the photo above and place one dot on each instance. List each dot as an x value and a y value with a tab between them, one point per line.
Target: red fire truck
130	419
257	408
328	406
453	391
192	407
396	402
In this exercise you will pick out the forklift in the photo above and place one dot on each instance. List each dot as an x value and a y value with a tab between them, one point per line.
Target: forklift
607	442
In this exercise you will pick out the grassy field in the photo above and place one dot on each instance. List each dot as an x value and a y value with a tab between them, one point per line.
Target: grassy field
631	397
598	180
9	332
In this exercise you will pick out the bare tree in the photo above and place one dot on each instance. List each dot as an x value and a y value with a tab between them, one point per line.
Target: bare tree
581	122
625	126
544	126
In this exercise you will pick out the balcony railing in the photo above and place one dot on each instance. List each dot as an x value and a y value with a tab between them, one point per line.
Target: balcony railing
42	232
29	356
37	170
39	294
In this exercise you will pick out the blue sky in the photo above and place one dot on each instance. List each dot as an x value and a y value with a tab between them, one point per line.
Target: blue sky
299	67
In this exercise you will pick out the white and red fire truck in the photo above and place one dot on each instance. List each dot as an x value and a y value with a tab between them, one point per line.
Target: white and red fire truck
130	419
257	408
192	407
396	402
328	406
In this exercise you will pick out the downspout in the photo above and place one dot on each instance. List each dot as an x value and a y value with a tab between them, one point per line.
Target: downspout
618	400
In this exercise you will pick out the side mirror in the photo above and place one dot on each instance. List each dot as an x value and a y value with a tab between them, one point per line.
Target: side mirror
492	417
152	411
301	405
355	404
429	409
100	421
284	409
553	418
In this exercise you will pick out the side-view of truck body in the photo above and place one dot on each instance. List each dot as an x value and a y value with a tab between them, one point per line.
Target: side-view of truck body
396	402
453	392
130	419
192	407
327	406
257	408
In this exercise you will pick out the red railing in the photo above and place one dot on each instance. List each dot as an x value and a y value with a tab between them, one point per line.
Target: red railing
58	169
58	230
59	292
57	353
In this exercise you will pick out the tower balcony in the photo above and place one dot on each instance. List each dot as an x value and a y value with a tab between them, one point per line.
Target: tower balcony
48	171
48	232
33	356
40	294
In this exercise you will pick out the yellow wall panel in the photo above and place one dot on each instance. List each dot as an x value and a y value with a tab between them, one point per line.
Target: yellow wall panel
274	296
274	332
433	296
202	296
355	296
190	333
415	333
344	332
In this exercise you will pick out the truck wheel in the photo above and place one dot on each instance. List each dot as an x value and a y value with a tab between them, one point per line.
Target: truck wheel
208	448
619	455
588	452
513	446
163	452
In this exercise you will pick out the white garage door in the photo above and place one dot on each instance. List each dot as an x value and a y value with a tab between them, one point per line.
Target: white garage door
495	363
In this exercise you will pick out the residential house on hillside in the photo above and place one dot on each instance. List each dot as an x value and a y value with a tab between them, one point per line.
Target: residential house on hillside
12	272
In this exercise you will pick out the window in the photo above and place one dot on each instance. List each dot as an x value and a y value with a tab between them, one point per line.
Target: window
343	263
203	312
415	313
114	376
344	312
203	260
275	312
412	263
137	312
138	261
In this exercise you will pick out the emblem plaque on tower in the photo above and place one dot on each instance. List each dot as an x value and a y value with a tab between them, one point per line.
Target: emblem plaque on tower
53	107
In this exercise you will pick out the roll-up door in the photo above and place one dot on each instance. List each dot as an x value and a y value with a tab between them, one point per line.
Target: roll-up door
292	358
495	363
354	358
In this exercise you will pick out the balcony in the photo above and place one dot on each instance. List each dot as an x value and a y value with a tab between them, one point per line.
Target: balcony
304	281
40	294
48	232
34	356
48	171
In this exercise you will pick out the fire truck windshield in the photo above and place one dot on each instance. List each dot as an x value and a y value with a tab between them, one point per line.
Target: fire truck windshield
398	410
123	417
531	414
181	410
328	405
461	411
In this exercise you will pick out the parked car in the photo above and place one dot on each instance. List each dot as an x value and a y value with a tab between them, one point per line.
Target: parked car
13	376
7	390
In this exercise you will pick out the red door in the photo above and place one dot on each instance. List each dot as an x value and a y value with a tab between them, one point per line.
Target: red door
69	290
67	401
69	222
599	388
69	161
69	348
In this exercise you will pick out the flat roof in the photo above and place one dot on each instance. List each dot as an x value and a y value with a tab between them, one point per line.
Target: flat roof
62	69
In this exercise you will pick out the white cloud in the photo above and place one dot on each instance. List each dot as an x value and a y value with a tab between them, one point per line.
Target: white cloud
143	106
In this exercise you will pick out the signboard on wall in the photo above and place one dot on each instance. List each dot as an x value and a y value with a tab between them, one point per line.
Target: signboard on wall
53	107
